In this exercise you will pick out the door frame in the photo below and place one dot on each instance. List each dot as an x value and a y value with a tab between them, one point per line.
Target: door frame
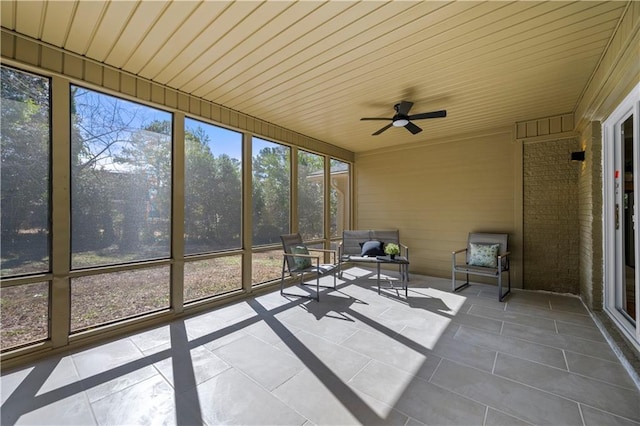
629	106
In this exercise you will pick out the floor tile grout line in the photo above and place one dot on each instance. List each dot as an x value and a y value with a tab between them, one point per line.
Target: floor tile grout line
491	406
511	415
566	362
272	393
616	362
91	408
565	334
551	366
581	414
435	369
546	312
371	360
636	390
495	362
392	407
112	392
486	414
607	412
525	340
560	396
558	348
568	371
504	320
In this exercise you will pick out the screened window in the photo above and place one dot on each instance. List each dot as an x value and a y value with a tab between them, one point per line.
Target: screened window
212	277
339	206
120	180
25	164
266	266
271	191
106	298
213	188
24	314
310	195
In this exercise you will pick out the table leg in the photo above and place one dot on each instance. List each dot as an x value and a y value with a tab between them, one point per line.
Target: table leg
405	280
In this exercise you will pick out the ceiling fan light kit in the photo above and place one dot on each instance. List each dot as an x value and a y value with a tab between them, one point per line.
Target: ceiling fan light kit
403	119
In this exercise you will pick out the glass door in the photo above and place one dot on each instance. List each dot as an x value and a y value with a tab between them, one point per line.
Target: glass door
625	293
622	221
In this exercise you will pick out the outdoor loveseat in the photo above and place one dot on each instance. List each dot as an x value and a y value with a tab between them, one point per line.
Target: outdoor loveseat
359	246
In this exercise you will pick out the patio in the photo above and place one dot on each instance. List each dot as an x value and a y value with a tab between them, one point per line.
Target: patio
354	358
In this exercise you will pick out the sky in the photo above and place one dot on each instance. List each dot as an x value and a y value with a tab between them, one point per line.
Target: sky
221	140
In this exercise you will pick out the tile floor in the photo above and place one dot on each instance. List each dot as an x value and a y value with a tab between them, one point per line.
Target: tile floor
354	358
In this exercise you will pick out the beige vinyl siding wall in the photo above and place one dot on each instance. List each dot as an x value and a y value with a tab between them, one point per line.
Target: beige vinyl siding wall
436	192
617	73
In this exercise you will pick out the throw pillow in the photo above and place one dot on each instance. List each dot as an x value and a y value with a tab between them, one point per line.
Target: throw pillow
483	255
301	262
372	248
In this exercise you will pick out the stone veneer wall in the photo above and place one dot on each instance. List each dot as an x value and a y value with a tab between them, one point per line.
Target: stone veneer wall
550	216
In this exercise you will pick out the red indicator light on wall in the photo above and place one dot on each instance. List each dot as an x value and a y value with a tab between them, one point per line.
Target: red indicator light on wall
617	174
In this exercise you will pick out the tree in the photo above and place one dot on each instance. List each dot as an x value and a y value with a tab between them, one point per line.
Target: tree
24	152
228	199
310	195
121	175
24	171
213	195
199	174
271	179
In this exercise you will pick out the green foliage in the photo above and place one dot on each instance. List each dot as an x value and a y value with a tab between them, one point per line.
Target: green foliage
213	196
24	172
24	151
310	195
271	183
391	248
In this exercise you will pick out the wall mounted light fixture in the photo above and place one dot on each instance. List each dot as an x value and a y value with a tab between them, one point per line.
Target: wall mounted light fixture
577	156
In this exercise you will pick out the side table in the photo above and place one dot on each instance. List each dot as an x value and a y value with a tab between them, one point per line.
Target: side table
403	262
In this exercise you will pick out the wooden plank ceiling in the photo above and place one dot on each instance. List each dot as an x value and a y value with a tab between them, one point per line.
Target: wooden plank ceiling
317	67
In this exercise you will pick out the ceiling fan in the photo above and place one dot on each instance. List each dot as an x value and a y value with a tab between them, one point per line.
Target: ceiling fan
403	119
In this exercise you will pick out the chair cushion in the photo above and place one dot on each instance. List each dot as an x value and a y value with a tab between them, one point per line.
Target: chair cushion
301	262
372	248
485	255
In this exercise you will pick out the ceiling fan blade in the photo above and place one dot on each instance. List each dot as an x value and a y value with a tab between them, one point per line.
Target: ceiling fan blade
382	130
433	114
404	107
412	128
374	118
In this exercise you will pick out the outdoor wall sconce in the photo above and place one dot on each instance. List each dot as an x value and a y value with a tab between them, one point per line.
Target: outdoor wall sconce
577	156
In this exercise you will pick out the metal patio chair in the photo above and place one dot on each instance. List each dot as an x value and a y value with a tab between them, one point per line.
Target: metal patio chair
487	255
298	261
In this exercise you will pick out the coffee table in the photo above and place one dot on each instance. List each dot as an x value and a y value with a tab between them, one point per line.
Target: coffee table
403	262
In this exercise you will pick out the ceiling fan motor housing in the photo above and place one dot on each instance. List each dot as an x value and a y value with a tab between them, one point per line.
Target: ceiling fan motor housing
400	120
